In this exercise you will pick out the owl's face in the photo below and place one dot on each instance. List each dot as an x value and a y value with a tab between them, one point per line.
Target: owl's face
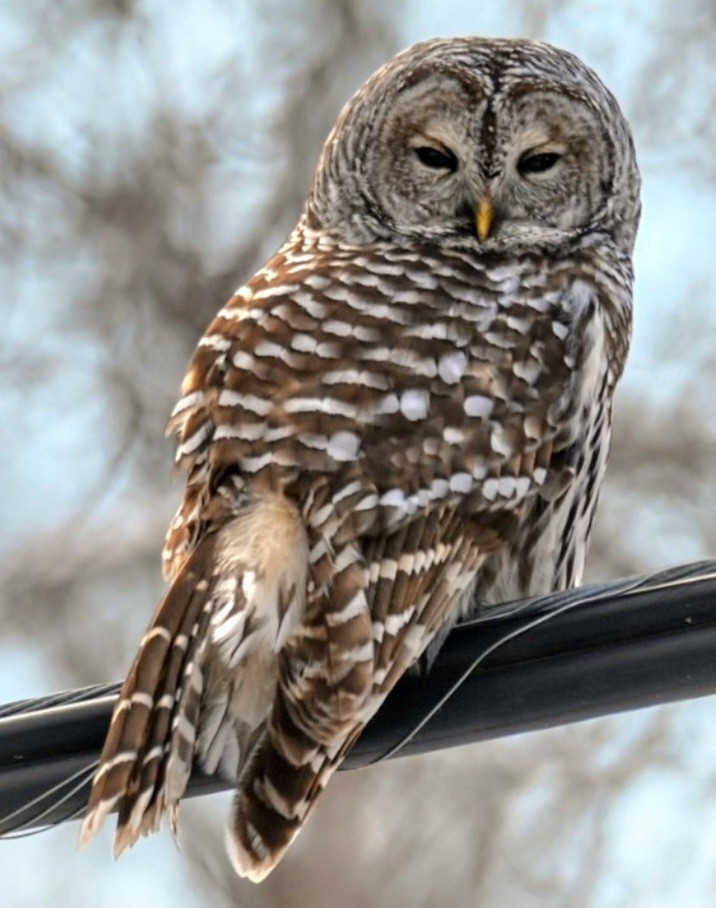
444	159
489	143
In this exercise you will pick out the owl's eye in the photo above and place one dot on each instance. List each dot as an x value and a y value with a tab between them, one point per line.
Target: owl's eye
537	163
436	158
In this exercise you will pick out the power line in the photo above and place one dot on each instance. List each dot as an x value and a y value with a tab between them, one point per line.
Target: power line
517	667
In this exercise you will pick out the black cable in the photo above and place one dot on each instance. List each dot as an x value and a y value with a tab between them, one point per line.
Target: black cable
517	667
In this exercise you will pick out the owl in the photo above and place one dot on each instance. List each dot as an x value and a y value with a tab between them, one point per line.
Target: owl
405	412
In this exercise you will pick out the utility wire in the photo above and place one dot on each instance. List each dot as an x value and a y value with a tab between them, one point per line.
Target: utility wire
517	667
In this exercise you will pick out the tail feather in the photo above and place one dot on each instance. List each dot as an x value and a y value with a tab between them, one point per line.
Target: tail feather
267	657
204	679
325	678
186	719
154	712
162	769
328	692
271	810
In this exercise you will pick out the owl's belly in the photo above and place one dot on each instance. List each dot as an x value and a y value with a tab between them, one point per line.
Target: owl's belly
549	548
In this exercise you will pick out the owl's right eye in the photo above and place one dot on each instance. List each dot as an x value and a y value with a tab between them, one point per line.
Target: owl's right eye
437	158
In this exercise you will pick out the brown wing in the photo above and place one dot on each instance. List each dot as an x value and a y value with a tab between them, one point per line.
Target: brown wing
447	431
407	409
415	368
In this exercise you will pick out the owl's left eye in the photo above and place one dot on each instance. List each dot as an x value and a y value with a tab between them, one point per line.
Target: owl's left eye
437	158
537	163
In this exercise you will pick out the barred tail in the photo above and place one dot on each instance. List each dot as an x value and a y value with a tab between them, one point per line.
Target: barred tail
379	613
205	676
147	755
325	679
275	800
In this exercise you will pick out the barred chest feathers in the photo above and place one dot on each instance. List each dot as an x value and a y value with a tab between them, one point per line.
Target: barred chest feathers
549	549
454	380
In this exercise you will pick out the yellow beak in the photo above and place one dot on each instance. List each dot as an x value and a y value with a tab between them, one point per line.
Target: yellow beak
484	216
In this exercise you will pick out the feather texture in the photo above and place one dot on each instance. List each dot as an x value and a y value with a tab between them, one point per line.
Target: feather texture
391	421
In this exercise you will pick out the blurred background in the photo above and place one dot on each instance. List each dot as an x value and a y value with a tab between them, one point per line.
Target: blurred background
152	154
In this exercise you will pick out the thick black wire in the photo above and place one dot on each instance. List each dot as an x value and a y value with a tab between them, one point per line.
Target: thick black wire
63	698
557	603
554	603
540	611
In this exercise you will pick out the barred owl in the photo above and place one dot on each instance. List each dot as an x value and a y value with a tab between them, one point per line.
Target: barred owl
408	409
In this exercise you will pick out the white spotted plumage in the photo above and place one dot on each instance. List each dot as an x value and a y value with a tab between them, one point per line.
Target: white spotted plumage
406	411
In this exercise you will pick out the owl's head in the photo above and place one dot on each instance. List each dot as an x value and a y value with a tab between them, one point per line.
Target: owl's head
496	144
